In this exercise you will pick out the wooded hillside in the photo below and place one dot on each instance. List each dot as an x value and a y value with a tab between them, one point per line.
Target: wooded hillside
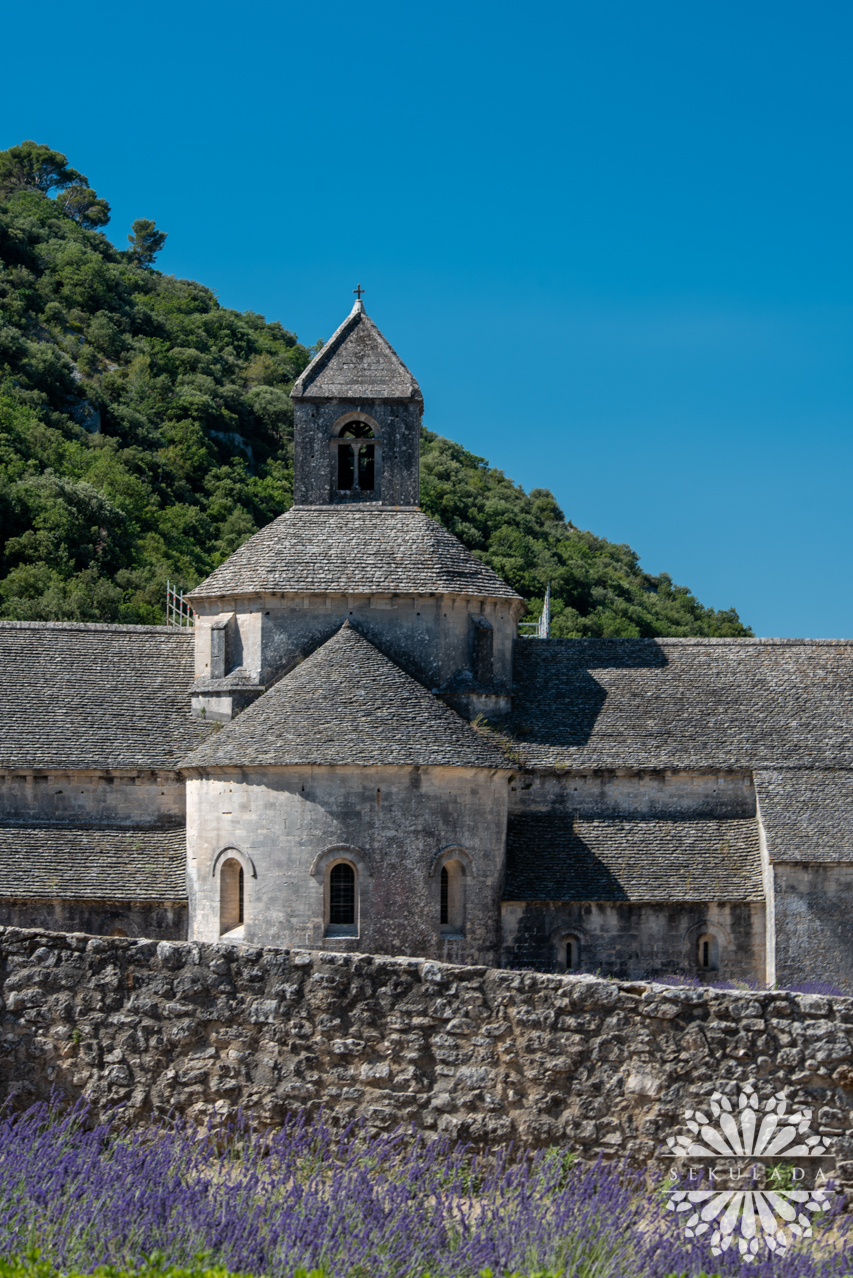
146	432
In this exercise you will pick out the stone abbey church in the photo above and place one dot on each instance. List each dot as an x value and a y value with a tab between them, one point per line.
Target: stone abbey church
306	766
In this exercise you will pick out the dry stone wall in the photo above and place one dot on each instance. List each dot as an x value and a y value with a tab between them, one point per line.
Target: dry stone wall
481	1054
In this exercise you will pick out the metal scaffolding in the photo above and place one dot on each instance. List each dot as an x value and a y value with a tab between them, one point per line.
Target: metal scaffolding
540	629
178	611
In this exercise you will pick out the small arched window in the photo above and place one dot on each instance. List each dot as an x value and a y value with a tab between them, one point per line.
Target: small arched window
356	466
568	951
341	914
708	952
452	899
231	895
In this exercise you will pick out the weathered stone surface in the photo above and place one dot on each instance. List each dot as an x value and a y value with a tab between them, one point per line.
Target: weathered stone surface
479	1054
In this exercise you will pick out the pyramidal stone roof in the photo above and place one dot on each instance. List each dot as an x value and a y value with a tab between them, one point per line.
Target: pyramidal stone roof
357	362
353	550
347	704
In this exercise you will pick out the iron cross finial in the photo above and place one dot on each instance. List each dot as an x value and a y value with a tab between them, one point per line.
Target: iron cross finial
358	292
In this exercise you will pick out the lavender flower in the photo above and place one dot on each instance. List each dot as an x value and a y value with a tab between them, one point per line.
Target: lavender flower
352	1203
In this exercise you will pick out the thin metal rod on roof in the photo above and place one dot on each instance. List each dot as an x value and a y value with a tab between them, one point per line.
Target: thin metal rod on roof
178	611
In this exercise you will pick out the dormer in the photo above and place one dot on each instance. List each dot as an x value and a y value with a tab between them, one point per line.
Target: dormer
357	422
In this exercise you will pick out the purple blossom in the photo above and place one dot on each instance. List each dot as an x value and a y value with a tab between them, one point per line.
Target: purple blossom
357	1204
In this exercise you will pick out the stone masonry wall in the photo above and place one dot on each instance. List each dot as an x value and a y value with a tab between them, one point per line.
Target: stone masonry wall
163	920
398	461
33	796
287	825
636	940
659	792
431	637
814	926
481	1054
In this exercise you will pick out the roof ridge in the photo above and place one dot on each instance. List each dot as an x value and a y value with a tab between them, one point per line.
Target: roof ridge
112	828
94	625
702	641
326	351
640	818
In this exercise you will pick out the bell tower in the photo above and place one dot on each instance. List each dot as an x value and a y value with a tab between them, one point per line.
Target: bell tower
355	547
357	422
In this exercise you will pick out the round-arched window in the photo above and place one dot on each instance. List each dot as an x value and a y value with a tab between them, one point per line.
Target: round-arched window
231	894
708	954
342	895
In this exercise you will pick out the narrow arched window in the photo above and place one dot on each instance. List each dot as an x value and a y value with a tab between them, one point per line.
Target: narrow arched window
342	895
231	895
452	899
567	952
708	952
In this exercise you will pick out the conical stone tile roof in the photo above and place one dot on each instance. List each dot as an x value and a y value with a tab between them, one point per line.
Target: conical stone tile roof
347	704
353	550
357	362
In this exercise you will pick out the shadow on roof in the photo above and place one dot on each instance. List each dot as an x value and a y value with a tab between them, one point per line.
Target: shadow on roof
557	698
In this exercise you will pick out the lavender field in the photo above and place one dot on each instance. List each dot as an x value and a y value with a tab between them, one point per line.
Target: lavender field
350	1204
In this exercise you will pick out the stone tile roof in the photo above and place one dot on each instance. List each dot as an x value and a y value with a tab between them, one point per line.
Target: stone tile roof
653	703
353	550
807	814
89	862
92	696
563	858
347	704
357	362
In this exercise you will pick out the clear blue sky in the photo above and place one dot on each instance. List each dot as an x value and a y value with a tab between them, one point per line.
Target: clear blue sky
611	239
